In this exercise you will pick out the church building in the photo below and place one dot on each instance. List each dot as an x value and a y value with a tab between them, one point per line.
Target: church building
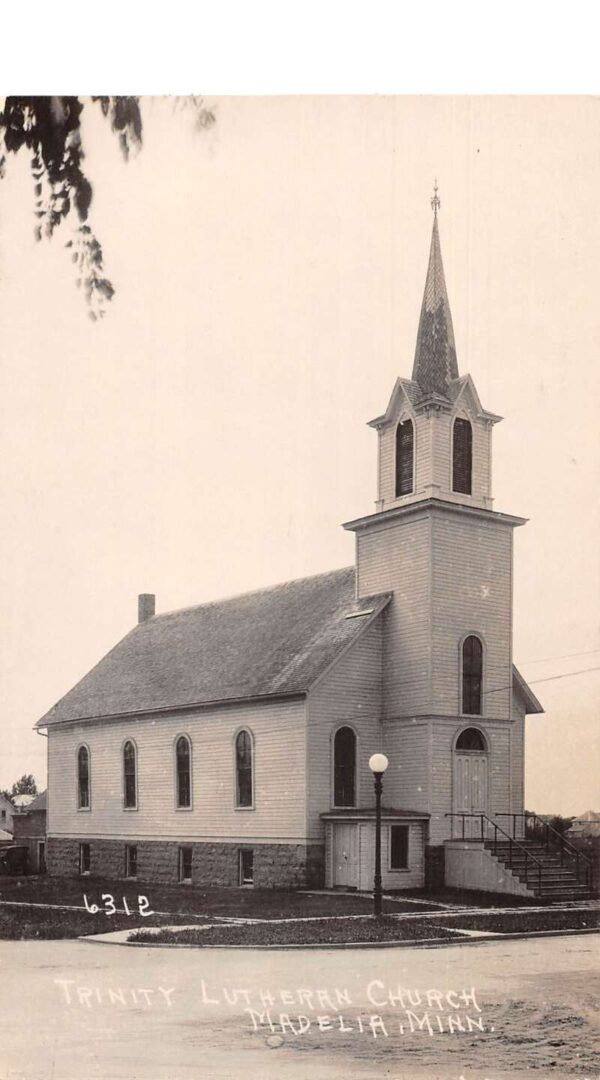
228	743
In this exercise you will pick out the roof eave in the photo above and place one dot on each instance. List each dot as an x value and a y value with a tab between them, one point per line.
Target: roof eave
438	504
531	702
168	709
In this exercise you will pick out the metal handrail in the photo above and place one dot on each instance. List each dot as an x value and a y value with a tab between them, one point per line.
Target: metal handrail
563	843
511	841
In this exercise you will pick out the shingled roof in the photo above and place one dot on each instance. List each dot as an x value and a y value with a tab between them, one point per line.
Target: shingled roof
435	356
269	643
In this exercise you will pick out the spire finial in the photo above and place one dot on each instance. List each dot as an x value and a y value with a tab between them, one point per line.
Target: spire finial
435	202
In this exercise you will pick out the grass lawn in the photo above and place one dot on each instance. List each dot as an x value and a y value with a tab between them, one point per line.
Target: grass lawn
323	932
20	924
181	904
188	901
523	921
369	929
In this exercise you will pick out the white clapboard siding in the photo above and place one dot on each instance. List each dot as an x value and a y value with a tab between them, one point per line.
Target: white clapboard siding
472	593
349	693
278	729
411	878
395	556
406	781
518	756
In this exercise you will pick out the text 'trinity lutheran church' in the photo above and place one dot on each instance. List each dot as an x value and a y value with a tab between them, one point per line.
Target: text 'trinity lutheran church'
228	743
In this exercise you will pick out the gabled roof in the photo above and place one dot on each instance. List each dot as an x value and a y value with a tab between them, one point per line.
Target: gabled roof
435	354
403	388
38	803
274	642
532	705
457	388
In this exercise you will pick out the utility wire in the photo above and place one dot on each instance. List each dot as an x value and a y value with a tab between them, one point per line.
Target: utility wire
549	678
565	656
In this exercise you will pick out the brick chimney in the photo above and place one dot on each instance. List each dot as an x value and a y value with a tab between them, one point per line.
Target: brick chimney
146	606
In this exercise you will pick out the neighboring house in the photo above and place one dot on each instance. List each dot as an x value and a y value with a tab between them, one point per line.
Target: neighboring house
6	838
7	812
228	743
586	825
30	828
22	801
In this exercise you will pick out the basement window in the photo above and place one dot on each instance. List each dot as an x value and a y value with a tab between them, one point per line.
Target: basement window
399	847
246	866
131	861
185	865
84	858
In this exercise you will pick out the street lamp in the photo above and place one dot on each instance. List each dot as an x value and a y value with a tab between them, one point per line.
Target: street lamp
378	763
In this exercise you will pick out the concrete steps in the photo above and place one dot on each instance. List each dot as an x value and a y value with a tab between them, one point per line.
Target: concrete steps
544	873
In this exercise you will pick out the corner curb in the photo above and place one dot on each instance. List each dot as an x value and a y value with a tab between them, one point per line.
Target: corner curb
424	943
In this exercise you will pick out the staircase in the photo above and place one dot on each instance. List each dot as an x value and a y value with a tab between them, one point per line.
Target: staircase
545	863
541	870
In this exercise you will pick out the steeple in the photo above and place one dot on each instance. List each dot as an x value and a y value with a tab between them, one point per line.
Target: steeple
435	355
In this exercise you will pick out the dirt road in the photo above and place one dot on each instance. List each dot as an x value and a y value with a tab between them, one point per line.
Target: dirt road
492	1011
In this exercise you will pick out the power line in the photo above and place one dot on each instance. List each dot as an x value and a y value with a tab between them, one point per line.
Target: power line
549	678
565	656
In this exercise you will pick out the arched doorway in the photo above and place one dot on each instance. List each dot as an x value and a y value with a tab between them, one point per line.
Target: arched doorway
469	781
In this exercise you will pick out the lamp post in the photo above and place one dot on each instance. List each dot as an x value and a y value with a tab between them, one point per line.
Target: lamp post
378	763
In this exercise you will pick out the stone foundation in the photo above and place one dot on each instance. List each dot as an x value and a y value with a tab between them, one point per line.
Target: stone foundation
435	871
280	866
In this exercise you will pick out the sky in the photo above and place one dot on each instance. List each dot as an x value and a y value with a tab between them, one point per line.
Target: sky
209	435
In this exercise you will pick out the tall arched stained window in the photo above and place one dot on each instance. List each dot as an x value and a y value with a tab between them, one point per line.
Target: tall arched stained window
472	676
462	456
344	767
183	764
129	776
405	440
83	778
243	769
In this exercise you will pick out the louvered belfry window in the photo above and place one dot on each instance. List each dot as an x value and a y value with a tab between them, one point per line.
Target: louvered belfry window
462	456
184	768
129	777
472	676
344	768
405	441
243	766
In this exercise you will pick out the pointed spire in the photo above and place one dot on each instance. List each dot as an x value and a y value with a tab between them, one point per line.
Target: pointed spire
435	355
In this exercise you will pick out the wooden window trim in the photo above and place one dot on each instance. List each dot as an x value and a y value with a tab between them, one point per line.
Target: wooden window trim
236	802
399	869
344	806
83	809
178	808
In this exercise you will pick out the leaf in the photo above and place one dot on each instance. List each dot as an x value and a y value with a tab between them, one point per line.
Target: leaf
82	197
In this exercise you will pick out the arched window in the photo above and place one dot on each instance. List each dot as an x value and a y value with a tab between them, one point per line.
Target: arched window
404	458
344	767
183	763
471	739
472	675
243	769
129	776
462	456
83	778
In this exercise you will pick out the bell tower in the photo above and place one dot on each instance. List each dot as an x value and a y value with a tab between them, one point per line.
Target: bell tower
435	439
436	544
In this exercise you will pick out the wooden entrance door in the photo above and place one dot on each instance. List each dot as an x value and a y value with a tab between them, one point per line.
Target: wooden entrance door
470	783
345	855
